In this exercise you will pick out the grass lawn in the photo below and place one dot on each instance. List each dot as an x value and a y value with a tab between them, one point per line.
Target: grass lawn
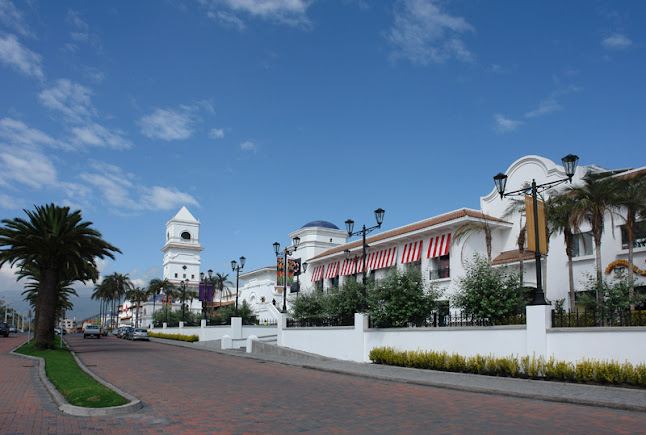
77	386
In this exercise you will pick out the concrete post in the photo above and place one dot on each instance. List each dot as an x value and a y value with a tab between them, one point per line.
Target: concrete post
203	330
227	342
164	325
360	327
236	327
282	325
181	326
538	321
250	341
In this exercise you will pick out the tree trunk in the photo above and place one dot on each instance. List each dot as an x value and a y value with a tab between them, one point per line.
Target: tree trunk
46	305
631	277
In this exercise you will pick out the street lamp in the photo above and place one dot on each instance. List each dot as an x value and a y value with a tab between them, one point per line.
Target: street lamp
569	163
286	252
182	285
349	226
237	268
204	295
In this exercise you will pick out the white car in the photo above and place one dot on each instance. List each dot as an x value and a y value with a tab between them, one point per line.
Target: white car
138	334
92	330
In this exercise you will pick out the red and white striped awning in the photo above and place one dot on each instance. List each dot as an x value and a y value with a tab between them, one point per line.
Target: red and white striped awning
439	246
378	260
332	270
317	274
348	267
412	252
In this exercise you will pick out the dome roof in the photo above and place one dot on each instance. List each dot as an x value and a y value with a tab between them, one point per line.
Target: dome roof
320	224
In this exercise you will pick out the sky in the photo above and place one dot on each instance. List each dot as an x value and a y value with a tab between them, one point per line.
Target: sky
262	115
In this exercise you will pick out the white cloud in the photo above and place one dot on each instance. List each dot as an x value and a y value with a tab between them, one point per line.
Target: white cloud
249	146
18	133
11	17
216	133
505	125
27	167
167	124
289	12
11	203
422	33
551	104
14	54
616	42
93	134
164	198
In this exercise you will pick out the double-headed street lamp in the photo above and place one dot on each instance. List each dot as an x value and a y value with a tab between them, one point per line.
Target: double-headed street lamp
569	163
204	282
286	252
237	268
182	285
349	226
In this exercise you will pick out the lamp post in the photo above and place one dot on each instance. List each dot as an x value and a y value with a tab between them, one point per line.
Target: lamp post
285	253
349	226
237	268
182	285
569	163
205	281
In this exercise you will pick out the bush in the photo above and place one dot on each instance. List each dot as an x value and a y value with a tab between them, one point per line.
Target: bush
179	337
584	371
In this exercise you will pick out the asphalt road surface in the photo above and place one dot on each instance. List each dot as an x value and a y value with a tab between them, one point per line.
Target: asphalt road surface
192	391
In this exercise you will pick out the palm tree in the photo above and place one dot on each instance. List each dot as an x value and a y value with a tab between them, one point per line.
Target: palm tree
559	210
595	199
221	282
137	295
117	285
171	293
465	230
632	199
518	206
61	246
155	287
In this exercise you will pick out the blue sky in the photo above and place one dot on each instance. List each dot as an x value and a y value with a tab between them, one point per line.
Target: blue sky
262	115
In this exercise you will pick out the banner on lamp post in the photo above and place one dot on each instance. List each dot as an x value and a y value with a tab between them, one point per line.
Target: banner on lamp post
280	272
531	228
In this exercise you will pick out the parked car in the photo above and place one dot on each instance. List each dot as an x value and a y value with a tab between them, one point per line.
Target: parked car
58	331
104	331
13	328
4	329
92	331
138	334
126	332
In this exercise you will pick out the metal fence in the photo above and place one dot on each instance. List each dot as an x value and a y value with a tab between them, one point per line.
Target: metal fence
451	320
585	319
308	323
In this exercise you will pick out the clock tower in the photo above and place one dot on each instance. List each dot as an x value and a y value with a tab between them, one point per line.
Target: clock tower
182	249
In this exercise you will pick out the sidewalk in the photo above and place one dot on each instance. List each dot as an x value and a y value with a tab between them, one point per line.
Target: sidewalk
591	395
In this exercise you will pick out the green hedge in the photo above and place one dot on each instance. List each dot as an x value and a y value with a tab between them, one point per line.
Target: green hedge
180	337
585	371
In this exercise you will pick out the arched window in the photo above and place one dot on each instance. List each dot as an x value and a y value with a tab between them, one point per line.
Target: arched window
185	235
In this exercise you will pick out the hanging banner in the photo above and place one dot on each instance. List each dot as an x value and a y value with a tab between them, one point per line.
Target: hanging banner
531	229
201	294
280	272
167	300
292	266
209	292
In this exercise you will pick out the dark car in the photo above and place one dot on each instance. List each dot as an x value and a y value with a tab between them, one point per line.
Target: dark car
4	329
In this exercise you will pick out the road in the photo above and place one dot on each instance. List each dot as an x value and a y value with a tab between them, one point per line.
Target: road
189	391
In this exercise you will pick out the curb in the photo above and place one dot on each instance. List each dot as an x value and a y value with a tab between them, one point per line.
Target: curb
64	406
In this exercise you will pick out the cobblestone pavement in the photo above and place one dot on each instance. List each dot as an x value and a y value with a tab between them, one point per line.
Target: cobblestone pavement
192	391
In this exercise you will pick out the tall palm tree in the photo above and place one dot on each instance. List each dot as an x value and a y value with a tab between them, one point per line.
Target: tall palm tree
465	230
60	245
593	200
632	200
155	287
100	294
137	295
559	210
221	282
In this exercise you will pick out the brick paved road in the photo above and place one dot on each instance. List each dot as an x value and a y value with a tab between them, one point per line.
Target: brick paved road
190	391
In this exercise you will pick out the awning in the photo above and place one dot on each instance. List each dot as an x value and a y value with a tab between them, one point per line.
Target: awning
439	246
412	252
378	260
332	270
349	267
317	275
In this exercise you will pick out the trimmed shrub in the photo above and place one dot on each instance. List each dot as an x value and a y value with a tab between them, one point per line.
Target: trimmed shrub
179	337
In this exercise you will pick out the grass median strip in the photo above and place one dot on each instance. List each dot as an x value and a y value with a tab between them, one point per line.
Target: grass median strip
74	384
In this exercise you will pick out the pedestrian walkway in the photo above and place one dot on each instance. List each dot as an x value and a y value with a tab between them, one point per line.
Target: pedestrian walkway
592	395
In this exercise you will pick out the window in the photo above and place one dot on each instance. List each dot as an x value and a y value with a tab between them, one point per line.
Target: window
318	285
582	244
640	236
414	265
334	282
185	235
440	267
193	276
175	275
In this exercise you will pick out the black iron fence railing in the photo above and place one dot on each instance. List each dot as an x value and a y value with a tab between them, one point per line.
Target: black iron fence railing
172	325
583	319
158	324
192	323
308	323
217	322
453	320
267	322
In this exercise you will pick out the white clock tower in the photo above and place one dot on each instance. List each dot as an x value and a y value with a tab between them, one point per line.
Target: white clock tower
182	249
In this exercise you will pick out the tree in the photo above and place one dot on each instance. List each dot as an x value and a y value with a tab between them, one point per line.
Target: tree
489	293
402	298
632	199
595	199
244	310
137	295
60	245
155	287
465	230
221	282
116	285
